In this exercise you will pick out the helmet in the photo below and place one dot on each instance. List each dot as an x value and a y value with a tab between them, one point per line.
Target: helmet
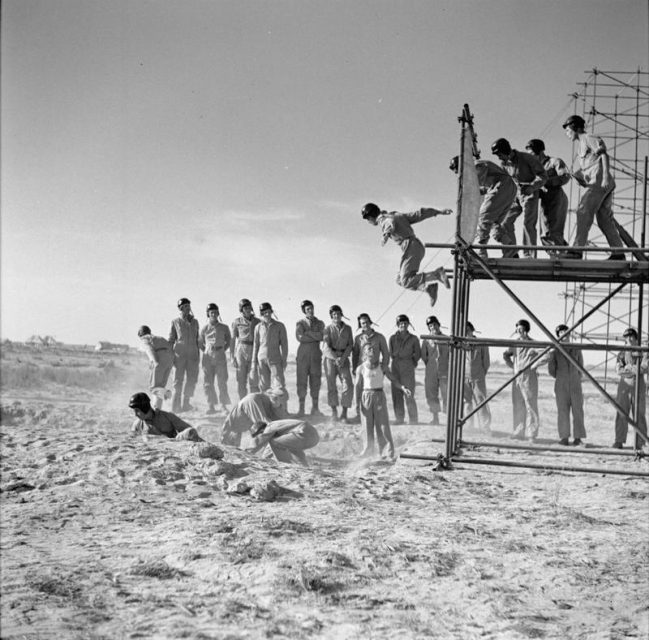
370	210
469	325
561	328
630	332
402	317
143	331
535	145
454	164
432	320
183	301
212	307
525	324
335	307
366	316
304	304
265	306
244	302
140	401
501	146
576	123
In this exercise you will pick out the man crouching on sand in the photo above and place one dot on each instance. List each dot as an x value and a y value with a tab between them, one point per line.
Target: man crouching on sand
156	422
287	439
262	406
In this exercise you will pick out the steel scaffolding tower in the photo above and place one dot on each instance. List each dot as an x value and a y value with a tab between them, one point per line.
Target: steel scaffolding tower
615	106
606	279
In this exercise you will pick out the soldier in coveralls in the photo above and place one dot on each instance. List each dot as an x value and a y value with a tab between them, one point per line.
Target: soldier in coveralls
243	331
398	227
435	356
214	341
405	352
567	390
338	344
161	359
309	332
183	338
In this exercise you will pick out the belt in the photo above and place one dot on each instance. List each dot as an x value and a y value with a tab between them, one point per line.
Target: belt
379	389
161	349
215	348
245	342
338	351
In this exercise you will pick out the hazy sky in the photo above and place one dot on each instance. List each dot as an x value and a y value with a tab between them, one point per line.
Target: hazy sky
213	149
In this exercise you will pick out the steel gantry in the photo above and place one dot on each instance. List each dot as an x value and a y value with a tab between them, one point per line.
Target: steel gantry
469	266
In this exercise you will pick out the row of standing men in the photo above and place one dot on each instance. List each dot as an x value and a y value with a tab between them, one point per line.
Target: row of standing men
259	353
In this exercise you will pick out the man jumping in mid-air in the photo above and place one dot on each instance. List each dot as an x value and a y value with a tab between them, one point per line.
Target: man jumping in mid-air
398	227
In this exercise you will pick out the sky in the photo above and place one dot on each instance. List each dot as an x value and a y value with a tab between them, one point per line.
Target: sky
221	149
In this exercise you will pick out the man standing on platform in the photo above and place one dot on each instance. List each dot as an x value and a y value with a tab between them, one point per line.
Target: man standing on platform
529	175
499	192
597	181
553	199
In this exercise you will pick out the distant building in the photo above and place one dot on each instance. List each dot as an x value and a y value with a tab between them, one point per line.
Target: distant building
111	347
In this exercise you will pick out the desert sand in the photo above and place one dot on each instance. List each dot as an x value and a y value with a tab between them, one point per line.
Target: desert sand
107	535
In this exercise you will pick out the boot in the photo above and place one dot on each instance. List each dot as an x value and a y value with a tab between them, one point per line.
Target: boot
211	410
186	405
315	411
300	411
435	420
431	290
334	413
343	415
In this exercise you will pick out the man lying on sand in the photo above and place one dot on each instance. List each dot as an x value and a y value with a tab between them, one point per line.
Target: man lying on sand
287	439
156	422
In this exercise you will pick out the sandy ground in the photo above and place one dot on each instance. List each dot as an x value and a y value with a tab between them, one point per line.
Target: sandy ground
105	535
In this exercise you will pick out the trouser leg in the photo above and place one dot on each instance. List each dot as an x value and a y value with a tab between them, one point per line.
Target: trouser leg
606	222
244	367
562	398
192	379
209	372
264	375
577	406
530	206
367	420
518	408
431	385
180	366
508	229
409	276
331	375
347	386
222	380
623	398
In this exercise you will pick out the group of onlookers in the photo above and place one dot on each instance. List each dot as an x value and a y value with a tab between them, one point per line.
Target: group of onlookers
355	367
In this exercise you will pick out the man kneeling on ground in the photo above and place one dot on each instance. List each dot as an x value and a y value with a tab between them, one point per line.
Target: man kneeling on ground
287	439
156	422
